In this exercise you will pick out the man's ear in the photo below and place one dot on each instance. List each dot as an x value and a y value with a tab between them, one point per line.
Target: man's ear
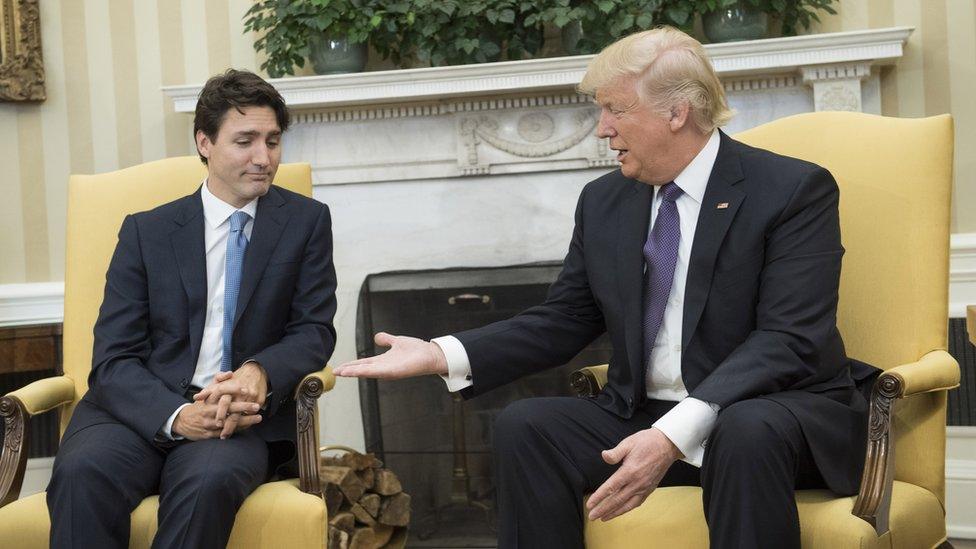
678	116
203	144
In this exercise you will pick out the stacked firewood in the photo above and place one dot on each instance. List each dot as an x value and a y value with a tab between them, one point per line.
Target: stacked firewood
367	506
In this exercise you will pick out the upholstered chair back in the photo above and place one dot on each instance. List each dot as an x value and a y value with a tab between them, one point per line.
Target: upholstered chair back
895	178
96	206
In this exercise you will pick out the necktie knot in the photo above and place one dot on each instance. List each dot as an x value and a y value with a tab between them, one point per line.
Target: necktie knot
671	192
237	221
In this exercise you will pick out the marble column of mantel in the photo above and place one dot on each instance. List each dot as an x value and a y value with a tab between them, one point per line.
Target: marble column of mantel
844	57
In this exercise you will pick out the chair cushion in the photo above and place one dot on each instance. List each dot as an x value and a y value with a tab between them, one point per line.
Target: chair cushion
277	514
673	517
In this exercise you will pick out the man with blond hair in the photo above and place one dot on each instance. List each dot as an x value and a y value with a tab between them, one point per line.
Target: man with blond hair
714	267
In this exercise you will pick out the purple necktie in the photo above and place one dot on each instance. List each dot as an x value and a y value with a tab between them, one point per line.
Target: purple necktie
661	254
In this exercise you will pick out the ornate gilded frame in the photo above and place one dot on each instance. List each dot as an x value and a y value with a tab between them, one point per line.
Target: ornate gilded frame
21	64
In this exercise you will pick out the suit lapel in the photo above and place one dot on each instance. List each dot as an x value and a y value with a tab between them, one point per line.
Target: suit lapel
191	258
632	232
269	223
713	223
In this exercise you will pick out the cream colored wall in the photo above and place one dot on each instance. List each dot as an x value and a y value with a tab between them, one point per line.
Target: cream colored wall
105	61
936	75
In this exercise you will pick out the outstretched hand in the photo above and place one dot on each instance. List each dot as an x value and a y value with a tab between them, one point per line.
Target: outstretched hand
644	457
407	357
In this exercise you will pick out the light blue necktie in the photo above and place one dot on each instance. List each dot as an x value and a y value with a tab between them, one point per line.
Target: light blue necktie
236	246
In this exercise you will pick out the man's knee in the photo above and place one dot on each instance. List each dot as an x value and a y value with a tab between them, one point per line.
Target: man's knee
748	431
80	470
525	420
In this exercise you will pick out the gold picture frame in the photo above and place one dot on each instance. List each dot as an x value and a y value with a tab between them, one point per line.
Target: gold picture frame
21	63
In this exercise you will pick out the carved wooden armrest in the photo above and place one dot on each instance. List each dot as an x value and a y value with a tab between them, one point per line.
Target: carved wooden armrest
588	381
306	422
936	371
15	409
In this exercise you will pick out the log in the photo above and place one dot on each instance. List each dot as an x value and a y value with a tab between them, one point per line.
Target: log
333	498
363	516
338	539
345	521
346	479
368	476
386	483
370	537
360	462
395	510
370	502
398	540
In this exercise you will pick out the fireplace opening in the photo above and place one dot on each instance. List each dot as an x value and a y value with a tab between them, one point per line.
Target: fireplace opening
438	444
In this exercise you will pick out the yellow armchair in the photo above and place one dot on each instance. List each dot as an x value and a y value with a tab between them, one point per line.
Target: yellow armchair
895	177
289	513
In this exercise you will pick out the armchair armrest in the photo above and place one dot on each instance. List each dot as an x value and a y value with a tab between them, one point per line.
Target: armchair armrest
588	381
936	371
15	408
306	423
44	394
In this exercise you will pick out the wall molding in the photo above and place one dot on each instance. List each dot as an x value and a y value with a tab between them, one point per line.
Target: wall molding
960	482
962	273
32	303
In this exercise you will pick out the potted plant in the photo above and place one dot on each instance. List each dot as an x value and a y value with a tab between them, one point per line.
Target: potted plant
454	32
730	20
591	25
331	33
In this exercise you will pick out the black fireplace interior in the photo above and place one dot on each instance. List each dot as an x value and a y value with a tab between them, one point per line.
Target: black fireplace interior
441	448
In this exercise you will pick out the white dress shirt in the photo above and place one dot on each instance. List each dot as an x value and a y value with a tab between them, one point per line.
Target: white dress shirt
216	229
690	422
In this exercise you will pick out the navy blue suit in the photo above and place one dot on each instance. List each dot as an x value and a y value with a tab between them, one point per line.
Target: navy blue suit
147	340
759	336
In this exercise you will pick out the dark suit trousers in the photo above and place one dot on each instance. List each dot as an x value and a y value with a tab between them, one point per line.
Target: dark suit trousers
102	473
547	457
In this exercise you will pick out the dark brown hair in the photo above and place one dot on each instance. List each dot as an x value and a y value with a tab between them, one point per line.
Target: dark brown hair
234	89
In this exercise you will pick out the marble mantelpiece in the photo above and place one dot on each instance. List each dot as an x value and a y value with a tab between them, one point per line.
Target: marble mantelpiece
481	165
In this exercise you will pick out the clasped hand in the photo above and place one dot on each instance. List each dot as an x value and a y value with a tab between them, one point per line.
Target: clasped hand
644	458
229	404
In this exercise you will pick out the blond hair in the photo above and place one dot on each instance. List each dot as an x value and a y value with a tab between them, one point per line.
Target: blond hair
671	68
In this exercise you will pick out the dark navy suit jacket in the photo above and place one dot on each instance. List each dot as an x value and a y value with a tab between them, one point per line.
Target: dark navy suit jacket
150	325
760	302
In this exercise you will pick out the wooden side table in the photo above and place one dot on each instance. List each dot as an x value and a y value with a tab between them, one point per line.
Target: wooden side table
971	323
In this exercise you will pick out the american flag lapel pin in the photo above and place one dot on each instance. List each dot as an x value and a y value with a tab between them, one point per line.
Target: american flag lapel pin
722	206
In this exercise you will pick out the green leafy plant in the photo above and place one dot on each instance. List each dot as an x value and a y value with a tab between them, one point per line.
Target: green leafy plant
451	32
288	28
795	14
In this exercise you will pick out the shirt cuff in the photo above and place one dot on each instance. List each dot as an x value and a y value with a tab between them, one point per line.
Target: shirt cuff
688	426
167	430
458	366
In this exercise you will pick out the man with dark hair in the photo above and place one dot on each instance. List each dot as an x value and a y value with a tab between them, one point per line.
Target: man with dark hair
216	305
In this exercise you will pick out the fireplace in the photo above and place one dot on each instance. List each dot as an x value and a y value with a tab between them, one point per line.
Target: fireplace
438	444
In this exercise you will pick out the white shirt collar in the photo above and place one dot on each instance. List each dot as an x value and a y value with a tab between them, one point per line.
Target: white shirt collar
216	211
694	178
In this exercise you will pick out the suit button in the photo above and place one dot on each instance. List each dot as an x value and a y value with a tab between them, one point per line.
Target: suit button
630	402
183	383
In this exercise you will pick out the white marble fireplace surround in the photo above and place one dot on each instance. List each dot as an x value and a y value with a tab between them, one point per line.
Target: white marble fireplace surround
481	165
